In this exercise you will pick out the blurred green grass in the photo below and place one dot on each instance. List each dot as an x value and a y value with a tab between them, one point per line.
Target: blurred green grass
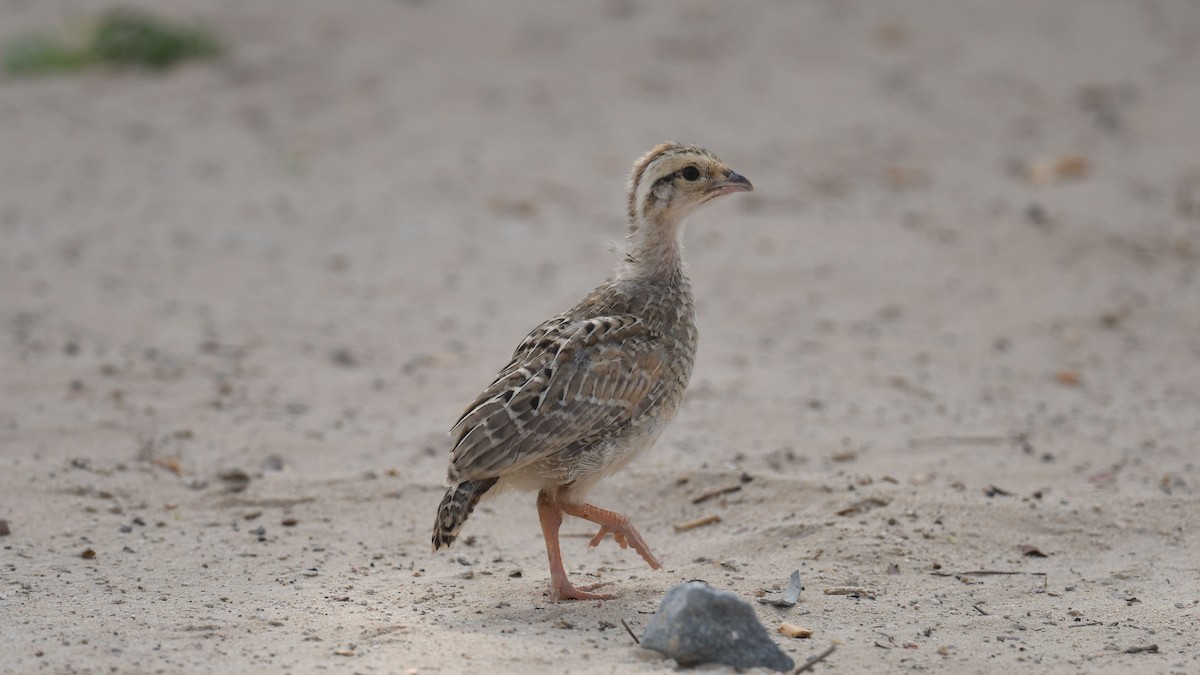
122	38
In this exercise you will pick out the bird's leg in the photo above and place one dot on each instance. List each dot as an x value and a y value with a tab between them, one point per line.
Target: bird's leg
612	522
550	513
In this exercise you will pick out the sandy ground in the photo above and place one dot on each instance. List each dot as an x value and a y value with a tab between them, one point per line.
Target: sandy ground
956	329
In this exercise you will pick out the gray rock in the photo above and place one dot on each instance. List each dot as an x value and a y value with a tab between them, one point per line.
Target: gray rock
697	624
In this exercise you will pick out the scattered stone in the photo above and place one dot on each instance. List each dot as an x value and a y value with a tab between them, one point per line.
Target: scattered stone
1030	551
1148	649
296	408
235	480
273	463
864	505
289	522
342	356
697	624
88	554
790	594
4	531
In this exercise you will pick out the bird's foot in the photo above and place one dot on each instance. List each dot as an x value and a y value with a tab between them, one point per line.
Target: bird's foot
564	590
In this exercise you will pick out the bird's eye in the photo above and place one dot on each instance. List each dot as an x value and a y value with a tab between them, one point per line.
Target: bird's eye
690	173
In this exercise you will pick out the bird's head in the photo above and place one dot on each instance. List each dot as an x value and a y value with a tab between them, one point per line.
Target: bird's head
671	180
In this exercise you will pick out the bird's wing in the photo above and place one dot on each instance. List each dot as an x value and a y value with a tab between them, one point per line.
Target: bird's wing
569	381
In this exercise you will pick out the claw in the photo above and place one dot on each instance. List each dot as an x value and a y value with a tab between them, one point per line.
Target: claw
598	538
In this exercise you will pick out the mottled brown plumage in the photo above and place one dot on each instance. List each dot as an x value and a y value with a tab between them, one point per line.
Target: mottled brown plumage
589	389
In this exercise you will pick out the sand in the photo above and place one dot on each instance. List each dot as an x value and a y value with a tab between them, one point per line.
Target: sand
955	330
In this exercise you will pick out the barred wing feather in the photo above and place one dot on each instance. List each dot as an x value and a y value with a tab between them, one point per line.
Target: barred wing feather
568	382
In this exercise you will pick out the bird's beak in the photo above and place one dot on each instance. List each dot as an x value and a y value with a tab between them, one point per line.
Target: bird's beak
734	182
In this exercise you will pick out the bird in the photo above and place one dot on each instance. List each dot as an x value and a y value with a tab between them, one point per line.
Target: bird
588	390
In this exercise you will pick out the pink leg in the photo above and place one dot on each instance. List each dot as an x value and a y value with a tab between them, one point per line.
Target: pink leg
618	525
550	513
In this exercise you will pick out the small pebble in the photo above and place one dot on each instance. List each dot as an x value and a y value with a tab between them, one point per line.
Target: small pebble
342	356
793	631
235	480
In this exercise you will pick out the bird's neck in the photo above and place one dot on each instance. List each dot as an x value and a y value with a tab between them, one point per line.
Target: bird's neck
654	250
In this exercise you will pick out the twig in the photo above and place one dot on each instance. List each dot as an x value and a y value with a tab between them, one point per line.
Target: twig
1085	625
716	493
699	522
993	490
850	590
988	573
980	610
985	573
807	666
636	641
929	441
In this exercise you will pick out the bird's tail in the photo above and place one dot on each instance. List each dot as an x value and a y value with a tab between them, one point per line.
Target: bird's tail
458	503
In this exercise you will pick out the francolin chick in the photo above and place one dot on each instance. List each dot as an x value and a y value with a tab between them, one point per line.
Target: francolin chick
588	390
